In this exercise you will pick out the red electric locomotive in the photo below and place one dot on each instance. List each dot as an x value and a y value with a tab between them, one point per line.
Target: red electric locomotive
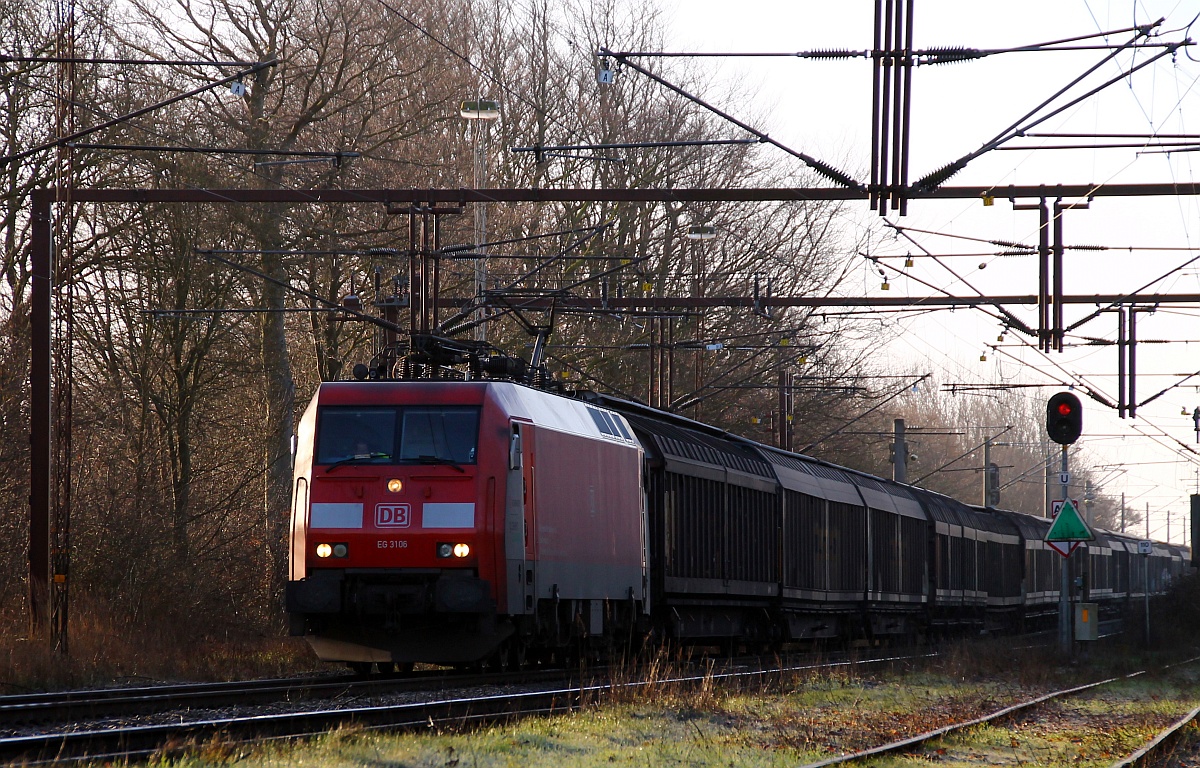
456	522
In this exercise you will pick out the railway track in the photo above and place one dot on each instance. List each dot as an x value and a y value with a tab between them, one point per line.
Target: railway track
68	706
178	725
918	744
131	723
1161	744
162	720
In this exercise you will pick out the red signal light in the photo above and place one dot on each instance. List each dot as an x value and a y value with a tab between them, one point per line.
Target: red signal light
1064	418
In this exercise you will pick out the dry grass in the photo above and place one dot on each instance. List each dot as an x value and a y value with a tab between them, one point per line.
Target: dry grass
685	680
774	721
106	650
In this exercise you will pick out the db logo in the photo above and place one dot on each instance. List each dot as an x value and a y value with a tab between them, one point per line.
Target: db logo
392	515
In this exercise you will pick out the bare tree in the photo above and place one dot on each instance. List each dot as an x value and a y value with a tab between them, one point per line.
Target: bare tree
36	95
185	416
351	76
541	64
949	430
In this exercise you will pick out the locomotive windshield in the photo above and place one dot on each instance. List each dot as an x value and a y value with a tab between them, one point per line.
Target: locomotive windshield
439	433
397	434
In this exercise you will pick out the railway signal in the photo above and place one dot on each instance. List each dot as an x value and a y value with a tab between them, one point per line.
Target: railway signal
1064	418
1064	424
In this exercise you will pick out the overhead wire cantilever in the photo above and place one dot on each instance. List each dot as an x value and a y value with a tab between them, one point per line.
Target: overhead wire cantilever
820	167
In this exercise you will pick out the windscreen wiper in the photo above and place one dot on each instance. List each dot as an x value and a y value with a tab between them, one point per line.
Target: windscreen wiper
357	457
427	459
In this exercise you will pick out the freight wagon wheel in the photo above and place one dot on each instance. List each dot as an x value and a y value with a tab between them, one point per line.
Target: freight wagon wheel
361	667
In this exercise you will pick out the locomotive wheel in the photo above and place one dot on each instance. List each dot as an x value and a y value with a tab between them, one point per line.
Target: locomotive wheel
517	653
500	660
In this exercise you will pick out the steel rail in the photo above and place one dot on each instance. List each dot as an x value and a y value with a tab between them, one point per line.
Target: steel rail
73	744
77	705
1159	742
141	740
903	744
937	733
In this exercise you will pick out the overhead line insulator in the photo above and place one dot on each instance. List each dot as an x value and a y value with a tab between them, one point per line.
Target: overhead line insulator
948	55
832	53
939	177
831	172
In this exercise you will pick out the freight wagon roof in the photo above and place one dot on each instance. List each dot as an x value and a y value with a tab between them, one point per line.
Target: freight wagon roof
807	475
986	519
942	509
1032	527
1111	540
891	497
848	485
671	435
1119	543
674	440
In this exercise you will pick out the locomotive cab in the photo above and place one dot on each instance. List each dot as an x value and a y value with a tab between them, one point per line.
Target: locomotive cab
452	522
387	531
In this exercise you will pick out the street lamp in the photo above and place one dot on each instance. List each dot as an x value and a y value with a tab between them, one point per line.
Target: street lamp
697	233
480	112
479	109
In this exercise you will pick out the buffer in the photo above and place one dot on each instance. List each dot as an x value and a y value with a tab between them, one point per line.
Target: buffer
1069	526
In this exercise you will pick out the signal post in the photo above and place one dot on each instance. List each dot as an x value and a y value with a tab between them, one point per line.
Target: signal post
1064	425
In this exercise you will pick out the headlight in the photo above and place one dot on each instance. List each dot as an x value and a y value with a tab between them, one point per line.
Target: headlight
446	549
332	550
395	485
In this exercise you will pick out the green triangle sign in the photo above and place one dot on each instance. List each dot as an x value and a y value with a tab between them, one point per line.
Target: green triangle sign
1069	526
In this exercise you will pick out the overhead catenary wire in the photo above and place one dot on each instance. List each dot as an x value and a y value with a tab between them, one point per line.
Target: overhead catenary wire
65	140
946	52
938	177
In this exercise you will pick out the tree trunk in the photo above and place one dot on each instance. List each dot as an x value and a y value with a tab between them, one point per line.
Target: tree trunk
280	406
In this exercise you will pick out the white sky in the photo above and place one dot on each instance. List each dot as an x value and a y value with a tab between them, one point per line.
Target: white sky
822	108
